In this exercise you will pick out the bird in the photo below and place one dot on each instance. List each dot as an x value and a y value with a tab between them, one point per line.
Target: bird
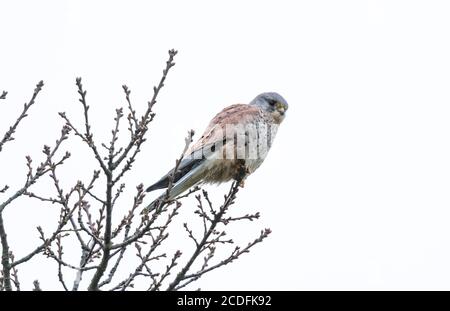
233	146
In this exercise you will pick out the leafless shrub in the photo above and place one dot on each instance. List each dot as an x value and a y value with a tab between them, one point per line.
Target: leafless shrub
87	215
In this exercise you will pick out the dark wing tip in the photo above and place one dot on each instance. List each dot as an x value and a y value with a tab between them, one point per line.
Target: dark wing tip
151	188
185	166
159	185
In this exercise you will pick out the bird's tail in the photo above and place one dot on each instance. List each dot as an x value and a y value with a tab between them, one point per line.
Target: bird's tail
184	183
149	208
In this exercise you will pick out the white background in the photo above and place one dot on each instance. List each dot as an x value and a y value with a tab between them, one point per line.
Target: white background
356	187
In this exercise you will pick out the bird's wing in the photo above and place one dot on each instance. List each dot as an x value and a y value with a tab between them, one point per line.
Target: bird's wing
190	169
216	130
184	167
192	178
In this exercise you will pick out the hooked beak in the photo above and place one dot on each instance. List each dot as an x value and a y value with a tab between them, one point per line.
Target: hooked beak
281	109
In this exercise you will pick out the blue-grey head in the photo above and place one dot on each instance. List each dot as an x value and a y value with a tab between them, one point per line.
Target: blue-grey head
272	103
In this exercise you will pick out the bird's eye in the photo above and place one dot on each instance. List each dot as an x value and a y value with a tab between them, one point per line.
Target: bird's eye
272	102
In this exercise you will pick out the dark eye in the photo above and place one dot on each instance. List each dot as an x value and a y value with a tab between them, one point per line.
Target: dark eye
272	102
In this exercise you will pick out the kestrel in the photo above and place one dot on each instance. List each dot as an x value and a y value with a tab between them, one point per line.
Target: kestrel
233	146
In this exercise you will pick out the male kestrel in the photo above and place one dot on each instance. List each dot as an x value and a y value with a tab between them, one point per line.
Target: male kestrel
233	146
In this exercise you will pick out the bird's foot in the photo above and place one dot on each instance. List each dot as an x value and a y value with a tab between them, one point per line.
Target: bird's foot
242	173
242	183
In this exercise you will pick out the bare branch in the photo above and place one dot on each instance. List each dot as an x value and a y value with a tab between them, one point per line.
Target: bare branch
160	204
229	200
115	132
148	115
60	261
146	258
37	286
6	271
102	247
32	177
14	273
9	134
136	141
132	119
87	137
173	263
41	170
249	217
233	256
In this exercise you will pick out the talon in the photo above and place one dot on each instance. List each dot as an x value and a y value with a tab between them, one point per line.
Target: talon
242	183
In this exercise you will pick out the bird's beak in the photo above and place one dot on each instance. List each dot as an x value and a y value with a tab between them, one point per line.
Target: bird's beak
281	109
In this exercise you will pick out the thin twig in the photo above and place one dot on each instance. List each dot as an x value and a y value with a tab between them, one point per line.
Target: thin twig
9	134
137	140
229	200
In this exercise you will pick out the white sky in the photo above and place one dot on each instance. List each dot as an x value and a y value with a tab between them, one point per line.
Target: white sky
356	186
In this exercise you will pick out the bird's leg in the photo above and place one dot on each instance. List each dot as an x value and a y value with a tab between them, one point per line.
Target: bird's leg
242	173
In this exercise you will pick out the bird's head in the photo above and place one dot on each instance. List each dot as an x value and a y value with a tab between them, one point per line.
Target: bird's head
272	103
